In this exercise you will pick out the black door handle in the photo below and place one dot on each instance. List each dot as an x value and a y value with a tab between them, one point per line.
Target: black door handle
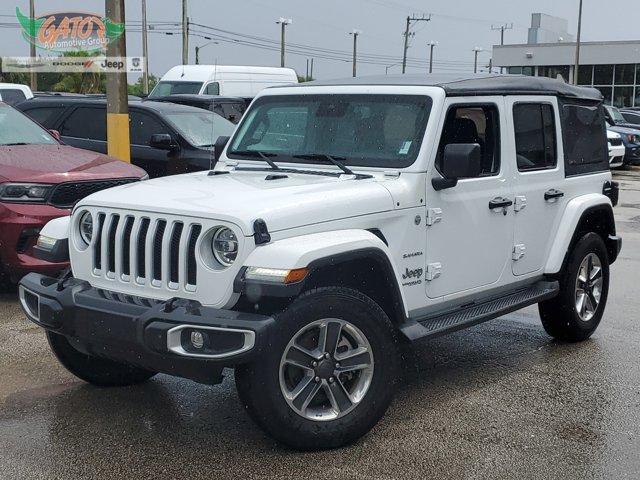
500	202
553	193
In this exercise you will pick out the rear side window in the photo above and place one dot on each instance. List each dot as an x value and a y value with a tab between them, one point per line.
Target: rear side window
585	137
12	96
143	126
44	116
474	124
535	133
89	123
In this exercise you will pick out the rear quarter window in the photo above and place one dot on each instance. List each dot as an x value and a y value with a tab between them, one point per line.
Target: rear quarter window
45	116
12	96
584	136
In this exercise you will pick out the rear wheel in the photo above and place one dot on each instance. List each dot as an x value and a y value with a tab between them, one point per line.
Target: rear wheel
329	374
584	285
94	370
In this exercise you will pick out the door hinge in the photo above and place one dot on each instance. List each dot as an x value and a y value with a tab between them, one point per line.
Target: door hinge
520	203
434	215
519	251
434	270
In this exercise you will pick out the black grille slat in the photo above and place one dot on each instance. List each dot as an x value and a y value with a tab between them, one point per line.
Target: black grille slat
97	251
157	250
142	239
615	142
126	246
111	249
192	275
66	195
174	252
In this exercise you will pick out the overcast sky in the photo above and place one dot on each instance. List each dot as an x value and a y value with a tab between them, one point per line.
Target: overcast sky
458	26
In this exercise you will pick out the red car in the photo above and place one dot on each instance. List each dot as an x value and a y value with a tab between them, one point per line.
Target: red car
42	179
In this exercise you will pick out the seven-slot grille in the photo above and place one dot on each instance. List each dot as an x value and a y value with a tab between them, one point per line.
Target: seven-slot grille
139	250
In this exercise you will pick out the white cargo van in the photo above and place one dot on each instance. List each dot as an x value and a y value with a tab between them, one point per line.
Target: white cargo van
230	81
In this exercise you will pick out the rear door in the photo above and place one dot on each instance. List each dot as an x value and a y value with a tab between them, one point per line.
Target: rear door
539	178
86	127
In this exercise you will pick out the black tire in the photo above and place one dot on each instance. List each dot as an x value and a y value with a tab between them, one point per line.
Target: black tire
560	317
96	371
258	383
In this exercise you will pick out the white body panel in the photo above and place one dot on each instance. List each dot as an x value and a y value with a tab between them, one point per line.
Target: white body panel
58	228
616	152
234	81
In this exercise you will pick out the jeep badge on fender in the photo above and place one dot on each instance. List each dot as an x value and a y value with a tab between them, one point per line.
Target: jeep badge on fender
298	260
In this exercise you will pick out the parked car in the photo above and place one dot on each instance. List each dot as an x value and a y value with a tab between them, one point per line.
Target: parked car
166	138
631	140
344	219
230	81
631	116
231	108
41	179
14	93
617	149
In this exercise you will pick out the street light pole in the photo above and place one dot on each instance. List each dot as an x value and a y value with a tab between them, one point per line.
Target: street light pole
198	48
32	47
577	64
432	45
145	49
283	22
476	51
355	34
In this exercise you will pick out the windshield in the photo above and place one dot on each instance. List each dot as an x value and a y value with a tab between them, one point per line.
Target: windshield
16	129
200	129
164	88
366	130
616	115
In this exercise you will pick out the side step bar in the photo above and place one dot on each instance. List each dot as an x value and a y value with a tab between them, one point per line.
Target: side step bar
441	323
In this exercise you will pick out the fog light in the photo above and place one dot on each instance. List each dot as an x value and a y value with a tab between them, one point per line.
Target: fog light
197	340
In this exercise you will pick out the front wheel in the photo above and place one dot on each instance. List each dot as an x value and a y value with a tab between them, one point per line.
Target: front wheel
576	312
329	374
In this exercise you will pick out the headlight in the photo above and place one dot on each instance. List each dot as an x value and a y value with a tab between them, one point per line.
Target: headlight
225	246
632	138
86	227
25	192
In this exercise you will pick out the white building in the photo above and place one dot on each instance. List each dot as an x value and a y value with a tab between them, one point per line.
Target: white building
611	67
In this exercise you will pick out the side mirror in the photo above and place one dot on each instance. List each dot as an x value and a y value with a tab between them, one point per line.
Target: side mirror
55	134
162	141
219	147
460	160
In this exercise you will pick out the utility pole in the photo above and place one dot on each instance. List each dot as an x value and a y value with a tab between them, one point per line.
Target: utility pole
476	51
502	28
432	45
576	67
283	22
355	34
185	33
32	47
145	49
118	142
311	70
407	34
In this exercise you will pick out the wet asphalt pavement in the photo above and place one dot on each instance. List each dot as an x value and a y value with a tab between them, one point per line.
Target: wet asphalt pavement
501	400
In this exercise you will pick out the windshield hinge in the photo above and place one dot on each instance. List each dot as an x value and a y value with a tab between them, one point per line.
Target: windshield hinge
392	174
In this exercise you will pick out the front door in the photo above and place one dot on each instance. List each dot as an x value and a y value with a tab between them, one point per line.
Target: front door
470	226
539	178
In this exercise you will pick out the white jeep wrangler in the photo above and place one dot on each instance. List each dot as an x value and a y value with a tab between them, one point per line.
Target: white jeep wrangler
341	220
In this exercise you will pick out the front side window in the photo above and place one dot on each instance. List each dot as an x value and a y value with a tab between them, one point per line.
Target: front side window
166	88
213	89
361	130
200	129
535	133
143	126
17	129
473	124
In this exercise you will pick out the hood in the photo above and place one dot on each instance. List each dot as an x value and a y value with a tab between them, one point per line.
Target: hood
243	197
60	163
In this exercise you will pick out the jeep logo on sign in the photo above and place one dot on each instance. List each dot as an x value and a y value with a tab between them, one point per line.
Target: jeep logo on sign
69	31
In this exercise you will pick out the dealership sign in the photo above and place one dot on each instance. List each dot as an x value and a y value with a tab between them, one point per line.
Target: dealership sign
69	31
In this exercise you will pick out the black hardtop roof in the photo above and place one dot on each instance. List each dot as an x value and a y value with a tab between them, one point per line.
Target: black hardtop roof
472	85
65	101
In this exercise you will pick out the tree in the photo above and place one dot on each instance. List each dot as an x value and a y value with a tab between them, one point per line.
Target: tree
137	88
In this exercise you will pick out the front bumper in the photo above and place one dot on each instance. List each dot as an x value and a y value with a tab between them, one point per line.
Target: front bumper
154	335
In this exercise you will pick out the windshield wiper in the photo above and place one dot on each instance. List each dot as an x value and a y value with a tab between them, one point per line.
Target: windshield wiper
258	154
324	156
